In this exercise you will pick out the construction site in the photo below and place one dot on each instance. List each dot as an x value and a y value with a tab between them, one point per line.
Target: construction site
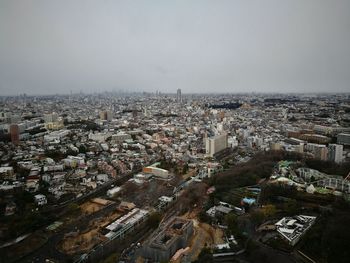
178	238
94	205
170	237
147	192
83	239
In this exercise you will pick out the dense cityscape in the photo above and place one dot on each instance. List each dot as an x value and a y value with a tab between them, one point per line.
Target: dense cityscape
174	131
156	177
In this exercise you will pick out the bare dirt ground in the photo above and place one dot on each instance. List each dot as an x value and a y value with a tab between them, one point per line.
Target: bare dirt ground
90	207
80	242
204	235
148	193
102	222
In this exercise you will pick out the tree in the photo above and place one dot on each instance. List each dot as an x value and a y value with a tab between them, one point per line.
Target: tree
82	149
291	206
112	258
269	210
257	217
231	222
185	169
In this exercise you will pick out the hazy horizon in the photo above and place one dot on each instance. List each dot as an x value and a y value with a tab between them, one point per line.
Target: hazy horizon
55	47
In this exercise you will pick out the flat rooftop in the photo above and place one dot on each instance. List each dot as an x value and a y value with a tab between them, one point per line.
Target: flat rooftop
292	228
168	234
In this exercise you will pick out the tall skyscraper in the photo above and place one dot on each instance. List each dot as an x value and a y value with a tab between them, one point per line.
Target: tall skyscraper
178	95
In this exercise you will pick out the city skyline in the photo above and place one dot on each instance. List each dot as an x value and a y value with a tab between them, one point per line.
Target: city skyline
198	47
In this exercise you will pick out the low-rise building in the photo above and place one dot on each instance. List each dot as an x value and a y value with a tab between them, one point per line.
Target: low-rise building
156	171
126	223
40	199
293	228
7	173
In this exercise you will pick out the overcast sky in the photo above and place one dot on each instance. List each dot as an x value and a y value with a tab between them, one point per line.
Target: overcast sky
49	47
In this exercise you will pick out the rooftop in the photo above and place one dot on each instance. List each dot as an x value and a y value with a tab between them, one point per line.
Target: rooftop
292	228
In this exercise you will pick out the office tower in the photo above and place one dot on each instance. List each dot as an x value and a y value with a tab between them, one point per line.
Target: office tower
215	144
178	95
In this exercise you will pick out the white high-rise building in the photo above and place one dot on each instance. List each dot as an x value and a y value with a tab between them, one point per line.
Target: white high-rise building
215	144
335	153
52	117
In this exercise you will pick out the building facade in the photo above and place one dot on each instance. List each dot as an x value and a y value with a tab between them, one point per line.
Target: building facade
335	153
215	144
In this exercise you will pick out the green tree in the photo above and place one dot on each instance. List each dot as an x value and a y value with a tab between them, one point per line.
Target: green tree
74	208
291	206
82	149
257	217
232	225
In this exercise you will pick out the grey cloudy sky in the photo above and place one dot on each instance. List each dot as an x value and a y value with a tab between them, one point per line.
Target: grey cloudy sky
198	46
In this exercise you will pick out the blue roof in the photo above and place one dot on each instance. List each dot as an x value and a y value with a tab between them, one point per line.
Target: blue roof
248	200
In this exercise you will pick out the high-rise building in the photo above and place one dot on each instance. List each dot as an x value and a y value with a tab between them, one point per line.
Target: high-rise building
52	117
106	115
14	133
319	151
215	144
103	115
335	153
109	115
178	95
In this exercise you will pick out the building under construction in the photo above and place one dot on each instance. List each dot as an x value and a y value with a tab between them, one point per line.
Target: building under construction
170	237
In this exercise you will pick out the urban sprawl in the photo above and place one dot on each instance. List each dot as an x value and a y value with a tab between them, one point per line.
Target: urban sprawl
155	177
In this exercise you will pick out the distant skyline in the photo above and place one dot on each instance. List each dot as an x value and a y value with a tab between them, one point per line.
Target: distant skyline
49	47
